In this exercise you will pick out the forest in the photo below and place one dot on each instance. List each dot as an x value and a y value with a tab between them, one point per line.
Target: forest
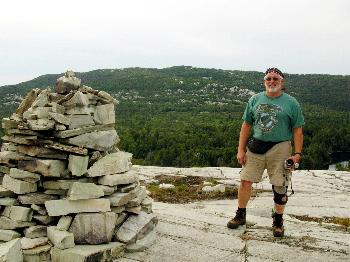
185	117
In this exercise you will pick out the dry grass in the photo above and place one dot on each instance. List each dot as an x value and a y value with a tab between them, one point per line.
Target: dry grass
343	221
187	189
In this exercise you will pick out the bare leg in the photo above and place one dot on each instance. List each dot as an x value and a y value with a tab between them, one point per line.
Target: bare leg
244	193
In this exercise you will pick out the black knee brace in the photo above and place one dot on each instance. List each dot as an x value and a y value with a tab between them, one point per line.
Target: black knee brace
280	197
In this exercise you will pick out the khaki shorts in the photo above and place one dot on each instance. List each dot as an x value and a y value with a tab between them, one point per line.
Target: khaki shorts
272	160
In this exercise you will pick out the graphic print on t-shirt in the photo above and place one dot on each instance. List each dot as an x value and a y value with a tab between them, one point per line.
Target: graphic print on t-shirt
266	117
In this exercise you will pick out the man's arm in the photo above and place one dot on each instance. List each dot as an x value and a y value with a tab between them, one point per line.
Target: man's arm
298	143
243	138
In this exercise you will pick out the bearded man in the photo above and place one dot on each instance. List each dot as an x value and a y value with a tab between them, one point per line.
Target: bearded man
276	119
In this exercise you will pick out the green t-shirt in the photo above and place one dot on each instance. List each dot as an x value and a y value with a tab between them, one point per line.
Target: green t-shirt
273	119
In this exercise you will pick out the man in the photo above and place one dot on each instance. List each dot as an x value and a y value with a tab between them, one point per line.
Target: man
275	119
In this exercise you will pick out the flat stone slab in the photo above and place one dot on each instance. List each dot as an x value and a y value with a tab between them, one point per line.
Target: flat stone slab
60	239
77	165
35	231
35	198
8	201
84	253
65	207
7	235
64	223
4	192
18	213
120	199
37	254
104	114
83	130
11	251
79	191
118	162
95	228
101	140
45	167
24	175
28	243
7	223
43	152
18	186
128	177
63	184
78	121
134	227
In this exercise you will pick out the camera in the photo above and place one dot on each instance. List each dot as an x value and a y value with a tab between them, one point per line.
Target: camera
288	163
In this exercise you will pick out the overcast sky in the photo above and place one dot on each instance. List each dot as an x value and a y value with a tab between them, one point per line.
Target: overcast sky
299	36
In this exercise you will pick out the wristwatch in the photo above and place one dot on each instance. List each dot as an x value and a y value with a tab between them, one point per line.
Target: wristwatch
297	153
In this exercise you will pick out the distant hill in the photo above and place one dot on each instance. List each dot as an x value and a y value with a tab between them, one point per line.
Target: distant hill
196	86
187	116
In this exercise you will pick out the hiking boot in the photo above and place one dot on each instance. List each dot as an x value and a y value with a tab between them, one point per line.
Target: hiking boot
238	220
277	225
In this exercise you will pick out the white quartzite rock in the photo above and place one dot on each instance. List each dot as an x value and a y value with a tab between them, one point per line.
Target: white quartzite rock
63	184
24	175
67	83
104	114
28	101
35	198
41	124
120	199
45	167
78	99
135	227
4	192
77	121
28	243
77	165
42	99
84	253
35	231
128	177
84	191
64	223
7	235
118	162
143	243
7	201
41	210
60	239
62	119
11	251
65	207
37	254
101	140
44	219
7	223
18	186
18	213
37	113
95	228
36	151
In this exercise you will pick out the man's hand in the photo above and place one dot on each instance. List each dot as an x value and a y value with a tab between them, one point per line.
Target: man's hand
241	158
296	159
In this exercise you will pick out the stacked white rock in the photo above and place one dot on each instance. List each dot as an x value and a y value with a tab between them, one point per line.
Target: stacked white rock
68	193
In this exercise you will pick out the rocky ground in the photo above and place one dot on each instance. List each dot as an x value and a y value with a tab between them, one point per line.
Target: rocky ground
316	221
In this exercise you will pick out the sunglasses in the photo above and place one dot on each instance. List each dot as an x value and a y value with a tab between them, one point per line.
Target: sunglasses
271	78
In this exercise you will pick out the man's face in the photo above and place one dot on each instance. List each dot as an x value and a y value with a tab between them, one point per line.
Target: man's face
273	83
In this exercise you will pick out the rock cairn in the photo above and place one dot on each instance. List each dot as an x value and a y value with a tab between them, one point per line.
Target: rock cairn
68	193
